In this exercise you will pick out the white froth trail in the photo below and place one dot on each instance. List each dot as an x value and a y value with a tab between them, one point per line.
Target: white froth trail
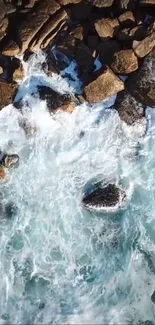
58	262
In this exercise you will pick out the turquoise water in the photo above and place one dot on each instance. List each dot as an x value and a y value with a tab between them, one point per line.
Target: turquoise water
58	262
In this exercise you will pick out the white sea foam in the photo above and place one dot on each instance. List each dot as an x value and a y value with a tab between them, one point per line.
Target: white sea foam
58	262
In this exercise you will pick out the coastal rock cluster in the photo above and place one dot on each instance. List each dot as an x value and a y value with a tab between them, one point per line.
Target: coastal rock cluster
118	33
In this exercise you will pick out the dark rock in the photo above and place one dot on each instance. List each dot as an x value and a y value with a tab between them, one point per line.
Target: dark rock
106	27
104	85
142	85
129	109
92	41
83	55
81	10
10	48
124	62
7	93
142	48
103	196
10	160
153	297
10	210
3	10
127	4
56	101
107	49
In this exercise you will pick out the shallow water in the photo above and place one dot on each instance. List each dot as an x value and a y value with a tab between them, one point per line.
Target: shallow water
58	262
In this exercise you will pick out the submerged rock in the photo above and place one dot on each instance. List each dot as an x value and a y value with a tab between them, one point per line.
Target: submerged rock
102	197
55	100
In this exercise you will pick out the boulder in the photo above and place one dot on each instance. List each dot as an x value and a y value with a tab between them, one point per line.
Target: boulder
102	3
9	160
3	27
128	108
81	10
48	31
124	62
56	101
8	92
3	10
107	49
10	48
104	85
106	27
142	48
33	22
127	19
141	85
103	196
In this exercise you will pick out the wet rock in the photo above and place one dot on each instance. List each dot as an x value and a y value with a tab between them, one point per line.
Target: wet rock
8	92
18	73
10	210
56	101
10	48
103	196
3	10
104	85
129	109
153	297
10	160
142	85
102	3
124	62
107	49
106	27
142	48
33	22
83	55
3	175
127	19
81	11
28	127
147	2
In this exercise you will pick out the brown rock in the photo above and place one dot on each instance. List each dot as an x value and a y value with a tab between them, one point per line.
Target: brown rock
127	19
31	25
1	70
129	110
10	160
124	62
7	93
102	3
77	32
104	86
142	48
81	10
104	27
3	27
3	175
3	10
18	74
107	49
10	48
48	31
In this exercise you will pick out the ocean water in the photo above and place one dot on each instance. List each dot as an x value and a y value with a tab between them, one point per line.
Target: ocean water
61	264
